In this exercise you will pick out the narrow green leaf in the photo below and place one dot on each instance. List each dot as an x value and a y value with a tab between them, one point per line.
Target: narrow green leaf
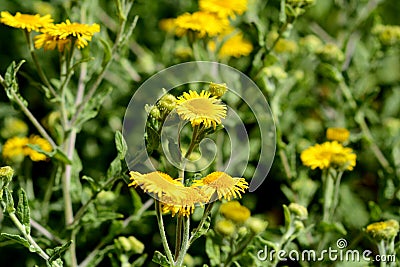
23	212
59	251
213	252
203	230
11	82
139	261
115	168
17	238
152	139
93	183
121	145
95	261
160	259
9	200
106	50
286	213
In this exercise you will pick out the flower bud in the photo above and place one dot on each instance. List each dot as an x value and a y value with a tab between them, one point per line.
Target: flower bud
331	53
298	226
129	244
6	175
337	134
234	211
106	197
256	225
299	211
387	35
155	113
167	103
217	90
13	127
136	246
225	227
385	230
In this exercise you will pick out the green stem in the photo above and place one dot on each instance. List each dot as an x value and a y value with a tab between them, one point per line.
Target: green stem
30	116
335	201
162	232
328	187
207	211
185	243
37	65
382	252
29	238
239	250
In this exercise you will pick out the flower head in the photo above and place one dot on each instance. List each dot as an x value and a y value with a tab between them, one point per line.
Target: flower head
224	8
164	187
217	90
62	34
201	23
385	230
16	148
234	46
201	108
191	197
25	21
222	185
387	34
234	211
225	227
329	154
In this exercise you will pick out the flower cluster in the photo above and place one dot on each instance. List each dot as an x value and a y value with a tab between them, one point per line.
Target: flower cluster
330	154
62	35
180	199
213	20
16	148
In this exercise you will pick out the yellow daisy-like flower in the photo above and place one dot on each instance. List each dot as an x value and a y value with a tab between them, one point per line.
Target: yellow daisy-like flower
185	206
16	148
202	23
221	184
234	211
385	230
337	134
200	108
224	8
329	154
59	35
42	143
25	21
13	148
235	46
164	187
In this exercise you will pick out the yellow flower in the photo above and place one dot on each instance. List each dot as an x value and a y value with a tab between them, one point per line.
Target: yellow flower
285	46
383	230
16	148
217	90
167	25
221	184
185	206
337	134
329	154
43	145
25	21
224	8
202	23
225	227
164	187
234	211
13	148
200	108
235	46
13	127
64	33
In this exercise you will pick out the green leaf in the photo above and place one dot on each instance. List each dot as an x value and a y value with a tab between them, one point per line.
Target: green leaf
174	150
59	251
160	259
213	252
17	238
11	83
136	201
93	183
23	211
152	139
139	261
106	50
121	145
92	108
95	261
115	168
204	228
288	219
9	201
